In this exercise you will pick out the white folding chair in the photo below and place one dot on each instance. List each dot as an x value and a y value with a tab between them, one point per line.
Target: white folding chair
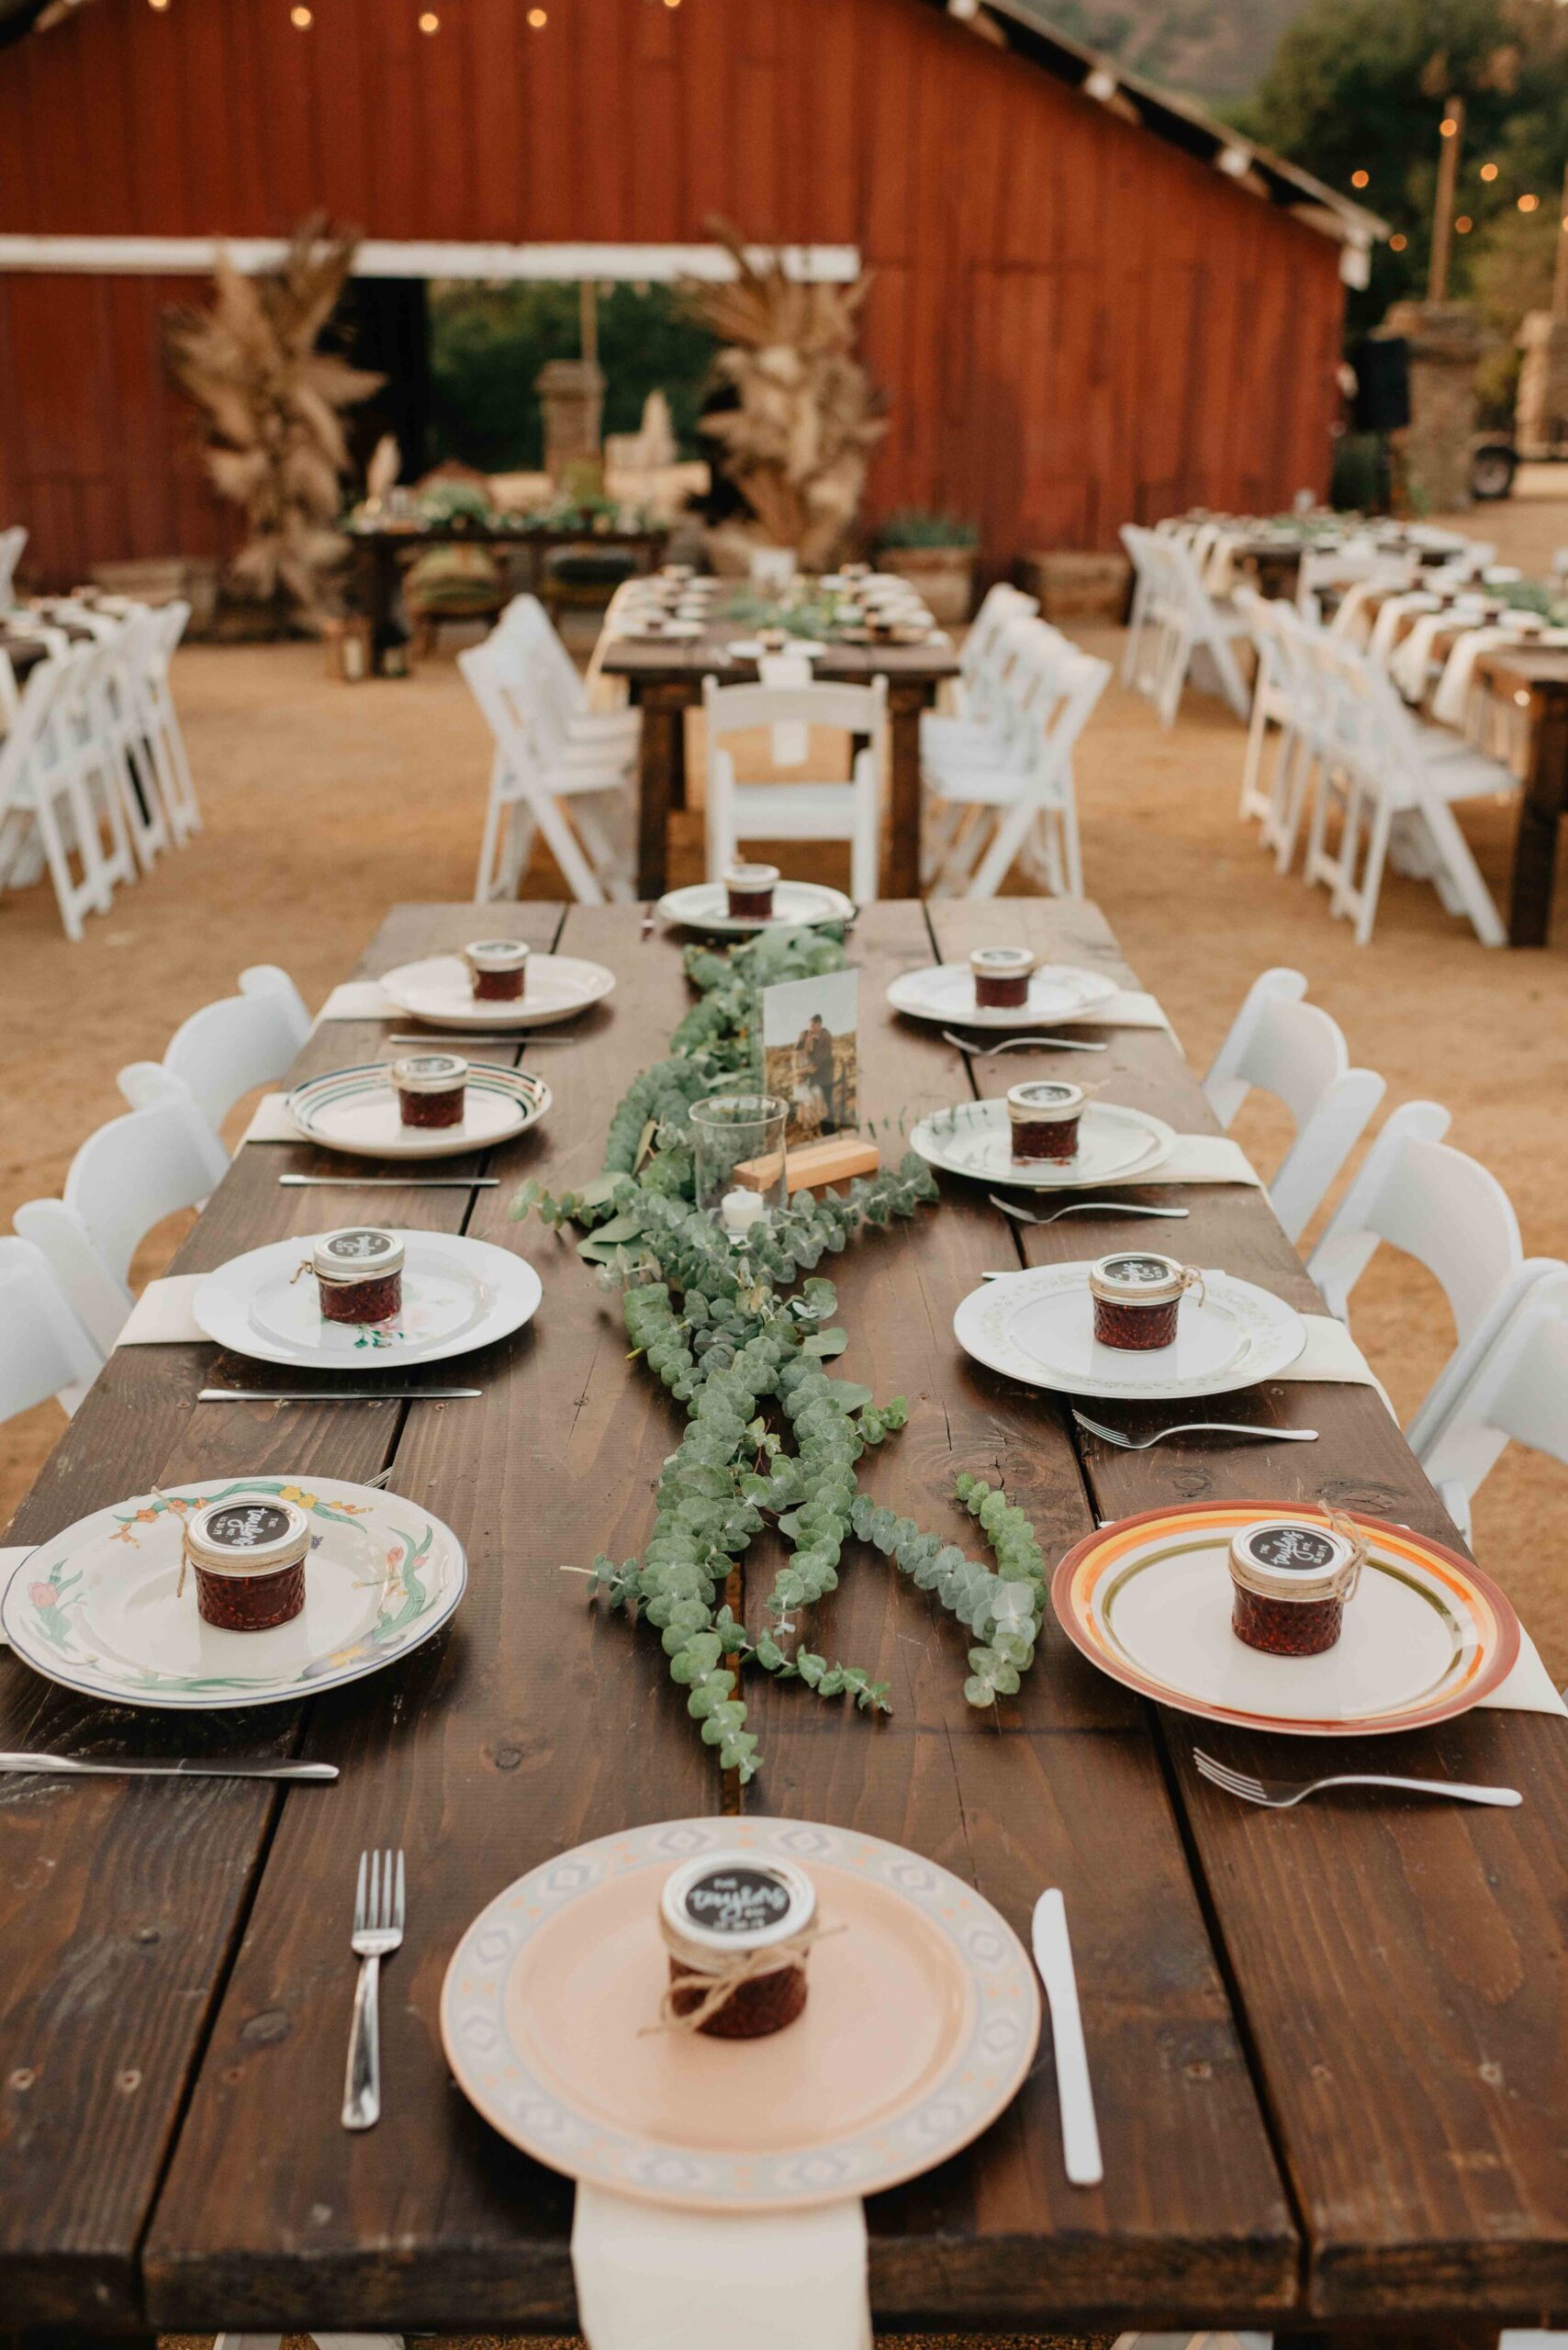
1187	624
154	648
566	708
1274	704
807	809
1024	802
12	541
57	796
1400	776
581	802
227	1048
982	657
124	1180
1512	1388
117	710
1293	1049
44	1351
1420	1195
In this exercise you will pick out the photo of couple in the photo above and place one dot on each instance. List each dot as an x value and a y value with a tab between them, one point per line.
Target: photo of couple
809	1044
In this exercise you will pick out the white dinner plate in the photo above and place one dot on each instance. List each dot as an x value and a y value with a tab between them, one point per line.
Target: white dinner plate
672	632
457	1294
357	1111
945	994
439	992
705	906
100	1609
746	648
1038	1326
975	1138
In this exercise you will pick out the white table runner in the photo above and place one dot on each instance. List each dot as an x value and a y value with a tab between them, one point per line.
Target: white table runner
652	2278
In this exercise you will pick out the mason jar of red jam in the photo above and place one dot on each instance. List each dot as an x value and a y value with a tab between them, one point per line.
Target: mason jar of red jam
720	1916
359	1272
248	1554
1292	1577
1001	976
497	968
431	1089
749	889
1137	1297
1042	1115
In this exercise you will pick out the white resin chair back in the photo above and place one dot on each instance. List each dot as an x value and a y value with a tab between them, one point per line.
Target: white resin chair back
165	625
1021	803
1273	701
124	1180
227	1048
532	789
44	1351
12	541
1511	1387
57	793
983	658
806	809
1293	1049
1420	1195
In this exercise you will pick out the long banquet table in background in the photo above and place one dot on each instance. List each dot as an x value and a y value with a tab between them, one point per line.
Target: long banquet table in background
1327	2045
665	677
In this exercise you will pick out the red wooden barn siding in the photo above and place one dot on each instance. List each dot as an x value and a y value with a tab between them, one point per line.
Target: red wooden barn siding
1076	323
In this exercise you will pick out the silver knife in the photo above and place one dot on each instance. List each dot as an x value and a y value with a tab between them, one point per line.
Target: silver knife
398	1183
1075	2093
68	1766
338	1396
522	1036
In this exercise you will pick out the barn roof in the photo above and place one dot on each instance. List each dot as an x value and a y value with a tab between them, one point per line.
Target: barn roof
1025	28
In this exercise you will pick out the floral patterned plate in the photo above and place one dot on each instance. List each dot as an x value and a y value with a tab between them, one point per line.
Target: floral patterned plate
457	1294
100	1607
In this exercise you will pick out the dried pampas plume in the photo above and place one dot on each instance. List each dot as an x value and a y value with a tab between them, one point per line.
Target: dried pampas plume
276	437
807	416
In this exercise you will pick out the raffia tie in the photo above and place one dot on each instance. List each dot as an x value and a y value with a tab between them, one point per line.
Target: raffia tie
727	1978
1192	1278
1349	1575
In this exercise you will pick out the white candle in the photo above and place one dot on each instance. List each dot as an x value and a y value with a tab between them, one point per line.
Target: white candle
740	1210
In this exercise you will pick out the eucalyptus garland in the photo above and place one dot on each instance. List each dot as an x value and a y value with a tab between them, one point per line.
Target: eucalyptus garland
770	1434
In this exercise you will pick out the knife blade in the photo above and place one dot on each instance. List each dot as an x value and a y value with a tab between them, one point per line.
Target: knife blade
395	1183
341	1395
1075	2092
71	1767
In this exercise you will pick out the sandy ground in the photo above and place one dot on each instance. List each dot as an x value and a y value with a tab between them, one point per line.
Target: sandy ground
325	803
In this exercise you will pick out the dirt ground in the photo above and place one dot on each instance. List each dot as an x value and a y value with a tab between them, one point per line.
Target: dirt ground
325	803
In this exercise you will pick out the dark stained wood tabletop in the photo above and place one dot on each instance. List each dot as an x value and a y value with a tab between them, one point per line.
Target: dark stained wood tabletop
1327	2045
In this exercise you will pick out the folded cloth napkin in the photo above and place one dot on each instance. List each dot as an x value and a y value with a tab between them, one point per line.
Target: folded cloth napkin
360	1000
651	2277
792	740
1353	604
1331	1354
1410	664
1528	1688
162	1315
1452	700
270	1120
1128	1008
1386	628
1198	1159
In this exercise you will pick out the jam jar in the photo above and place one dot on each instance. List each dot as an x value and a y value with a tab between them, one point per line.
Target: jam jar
1042	1115
720	1916
249	1556
497	968
1001	976
749	890
359	1272
1137	1296
1292	1577
431	1089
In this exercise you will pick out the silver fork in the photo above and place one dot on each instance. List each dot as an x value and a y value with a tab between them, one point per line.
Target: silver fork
1280	1795
1021	1045
377	1930
1194	1427
1085	1207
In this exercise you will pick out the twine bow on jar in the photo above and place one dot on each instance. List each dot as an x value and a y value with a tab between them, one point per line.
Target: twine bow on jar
724	1973
1348	1531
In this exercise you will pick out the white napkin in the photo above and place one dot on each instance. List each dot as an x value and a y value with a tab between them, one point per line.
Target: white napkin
650	2277
359	1000
1199	1159
1451	701
1528	1689
1347	618
1128	1008
792	741
1410	664
270	1120
1332	1354
1379	644
162	1315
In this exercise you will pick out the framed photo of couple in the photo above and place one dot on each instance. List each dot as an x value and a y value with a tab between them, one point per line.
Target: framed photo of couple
810	1053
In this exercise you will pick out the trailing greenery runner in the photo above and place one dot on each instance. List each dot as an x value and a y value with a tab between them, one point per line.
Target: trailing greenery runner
725	1328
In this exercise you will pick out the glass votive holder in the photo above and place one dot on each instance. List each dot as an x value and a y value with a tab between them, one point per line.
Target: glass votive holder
738	1144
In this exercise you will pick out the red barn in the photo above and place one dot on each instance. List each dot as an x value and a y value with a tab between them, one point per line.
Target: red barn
1091	304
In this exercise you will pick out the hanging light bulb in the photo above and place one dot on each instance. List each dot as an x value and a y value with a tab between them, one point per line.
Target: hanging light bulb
1528	203
1360	179
1489	172
1463	224
1396	245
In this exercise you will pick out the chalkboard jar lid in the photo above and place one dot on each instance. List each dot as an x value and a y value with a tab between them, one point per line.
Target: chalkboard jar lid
735	1901
356	1252
1294	1558
1042	1100
248	1534
429	1072
1137	1277
496	954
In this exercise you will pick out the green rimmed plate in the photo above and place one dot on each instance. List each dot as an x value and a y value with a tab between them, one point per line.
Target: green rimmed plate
357	1110
99	1606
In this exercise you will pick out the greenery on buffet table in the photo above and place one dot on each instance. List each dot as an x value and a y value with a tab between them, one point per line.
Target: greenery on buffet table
743	1342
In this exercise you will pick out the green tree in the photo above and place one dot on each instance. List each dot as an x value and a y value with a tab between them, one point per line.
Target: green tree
1359	86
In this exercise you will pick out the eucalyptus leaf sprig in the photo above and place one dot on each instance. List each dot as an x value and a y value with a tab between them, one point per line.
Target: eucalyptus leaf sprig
741	1334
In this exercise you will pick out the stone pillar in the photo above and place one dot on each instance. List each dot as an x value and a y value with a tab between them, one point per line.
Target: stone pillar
571	392
1541	415
1446	342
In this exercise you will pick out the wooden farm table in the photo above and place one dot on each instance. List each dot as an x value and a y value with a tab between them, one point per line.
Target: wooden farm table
379	553
1327	2045
666	678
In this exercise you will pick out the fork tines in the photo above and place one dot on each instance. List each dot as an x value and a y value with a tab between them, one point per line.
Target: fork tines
379	1903
1235	1783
